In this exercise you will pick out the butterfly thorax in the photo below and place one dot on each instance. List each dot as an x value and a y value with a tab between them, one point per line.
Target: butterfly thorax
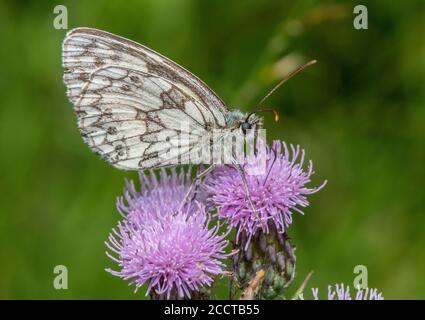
236	119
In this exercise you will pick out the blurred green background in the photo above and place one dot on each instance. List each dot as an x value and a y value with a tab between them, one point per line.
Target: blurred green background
359	113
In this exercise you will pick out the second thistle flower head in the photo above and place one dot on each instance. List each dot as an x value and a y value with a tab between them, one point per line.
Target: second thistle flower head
275	192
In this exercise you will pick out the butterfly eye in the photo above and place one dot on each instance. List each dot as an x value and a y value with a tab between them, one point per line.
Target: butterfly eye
245	126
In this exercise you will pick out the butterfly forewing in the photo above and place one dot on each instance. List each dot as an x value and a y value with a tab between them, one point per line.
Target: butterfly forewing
136	108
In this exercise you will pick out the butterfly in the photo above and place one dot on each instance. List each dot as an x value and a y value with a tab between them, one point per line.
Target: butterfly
131	103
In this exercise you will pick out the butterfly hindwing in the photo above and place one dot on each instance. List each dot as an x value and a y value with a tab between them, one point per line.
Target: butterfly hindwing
131	102
134	120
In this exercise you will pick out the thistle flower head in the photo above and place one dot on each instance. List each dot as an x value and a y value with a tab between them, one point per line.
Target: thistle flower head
164	193
277	188
175	252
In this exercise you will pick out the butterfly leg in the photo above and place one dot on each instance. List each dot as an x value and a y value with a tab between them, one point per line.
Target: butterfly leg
195	183
248	193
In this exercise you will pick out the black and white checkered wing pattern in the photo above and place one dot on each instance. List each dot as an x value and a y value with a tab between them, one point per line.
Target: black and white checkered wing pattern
136	108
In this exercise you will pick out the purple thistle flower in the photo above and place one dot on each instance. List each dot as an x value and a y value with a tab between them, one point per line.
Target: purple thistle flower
175	252
342	292
276	192
167	192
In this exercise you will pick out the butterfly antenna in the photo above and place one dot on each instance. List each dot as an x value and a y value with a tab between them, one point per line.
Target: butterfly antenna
289	76
276	114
